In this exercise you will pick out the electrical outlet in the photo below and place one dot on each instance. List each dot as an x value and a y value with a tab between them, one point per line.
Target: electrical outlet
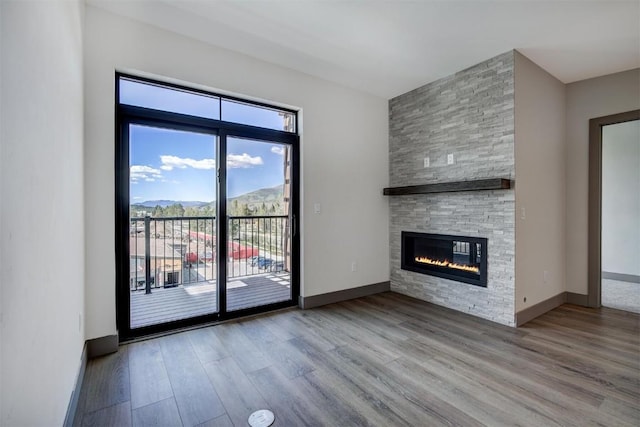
427	162
545	276
354	266
449	159
523	213
317	208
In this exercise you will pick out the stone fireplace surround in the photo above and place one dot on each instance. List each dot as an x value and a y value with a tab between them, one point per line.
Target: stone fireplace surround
470	115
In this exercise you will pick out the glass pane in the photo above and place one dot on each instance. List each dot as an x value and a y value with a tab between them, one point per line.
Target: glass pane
254	115
168	99
172	184
259	218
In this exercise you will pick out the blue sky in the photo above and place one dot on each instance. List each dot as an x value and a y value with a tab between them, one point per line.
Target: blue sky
176	165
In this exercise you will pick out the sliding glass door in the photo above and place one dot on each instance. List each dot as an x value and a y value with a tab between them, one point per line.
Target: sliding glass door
172	188
259	214
206	207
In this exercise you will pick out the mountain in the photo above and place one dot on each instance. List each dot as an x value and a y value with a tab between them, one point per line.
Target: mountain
165	203
263	195
273	194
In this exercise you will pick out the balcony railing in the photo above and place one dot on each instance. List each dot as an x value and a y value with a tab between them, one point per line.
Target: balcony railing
173	251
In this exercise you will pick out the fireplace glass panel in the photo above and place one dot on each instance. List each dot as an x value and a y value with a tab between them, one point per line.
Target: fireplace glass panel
452	257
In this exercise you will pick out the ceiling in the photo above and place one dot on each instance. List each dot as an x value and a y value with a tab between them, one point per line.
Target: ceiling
389	47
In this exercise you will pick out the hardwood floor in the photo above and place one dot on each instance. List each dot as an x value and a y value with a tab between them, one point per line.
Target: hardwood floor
384	360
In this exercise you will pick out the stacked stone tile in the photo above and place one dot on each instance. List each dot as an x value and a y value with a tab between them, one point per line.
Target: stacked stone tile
470	115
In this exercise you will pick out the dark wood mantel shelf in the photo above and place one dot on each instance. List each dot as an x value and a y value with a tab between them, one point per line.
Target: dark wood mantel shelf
450	187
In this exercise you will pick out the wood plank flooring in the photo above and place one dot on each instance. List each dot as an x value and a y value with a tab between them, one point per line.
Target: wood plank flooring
383	360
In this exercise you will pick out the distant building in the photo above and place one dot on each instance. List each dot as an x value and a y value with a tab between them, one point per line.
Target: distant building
166	262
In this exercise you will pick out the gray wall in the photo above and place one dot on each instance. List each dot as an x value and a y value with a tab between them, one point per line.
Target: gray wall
540	190
470	115
587	99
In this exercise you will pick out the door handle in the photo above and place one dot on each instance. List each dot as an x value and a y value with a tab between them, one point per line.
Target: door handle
294	225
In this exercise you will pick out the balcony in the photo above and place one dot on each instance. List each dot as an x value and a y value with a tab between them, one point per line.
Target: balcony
173	266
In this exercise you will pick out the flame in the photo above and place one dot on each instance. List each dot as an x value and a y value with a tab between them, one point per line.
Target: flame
425	260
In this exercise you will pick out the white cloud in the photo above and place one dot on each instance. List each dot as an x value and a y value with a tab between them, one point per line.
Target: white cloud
278	149
146	173
243	161
170	162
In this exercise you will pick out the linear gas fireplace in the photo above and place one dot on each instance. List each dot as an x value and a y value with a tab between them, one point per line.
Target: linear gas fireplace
452	257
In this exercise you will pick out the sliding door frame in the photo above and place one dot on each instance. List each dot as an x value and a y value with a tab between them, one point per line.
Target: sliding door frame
127	115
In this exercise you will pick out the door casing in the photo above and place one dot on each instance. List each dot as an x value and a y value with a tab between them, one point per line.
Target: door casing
594	292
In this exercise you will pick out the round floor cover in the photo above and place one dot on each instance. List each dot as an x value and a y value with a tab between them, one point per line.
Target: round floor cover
261	418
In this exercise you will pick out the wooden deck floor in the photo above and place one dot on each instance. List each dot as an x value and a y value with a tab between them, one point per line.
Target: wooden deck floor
164	305
382	360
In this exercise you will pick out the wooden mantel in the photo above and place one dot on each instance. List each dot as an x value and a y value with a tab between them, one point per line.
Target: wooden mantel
449	187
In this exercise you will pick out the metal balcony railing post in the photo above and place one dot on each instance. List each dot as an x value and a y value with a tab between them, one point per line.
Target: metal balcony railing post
147	254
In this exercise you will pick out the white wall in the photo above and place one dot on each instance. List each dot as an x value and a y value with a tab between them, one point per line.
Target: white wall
621	198
41	223
587	99
540	183
1	268
344	154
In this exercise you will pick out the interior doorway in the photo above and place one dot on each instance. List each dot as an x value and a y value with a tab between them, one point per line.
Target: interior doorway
614	212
